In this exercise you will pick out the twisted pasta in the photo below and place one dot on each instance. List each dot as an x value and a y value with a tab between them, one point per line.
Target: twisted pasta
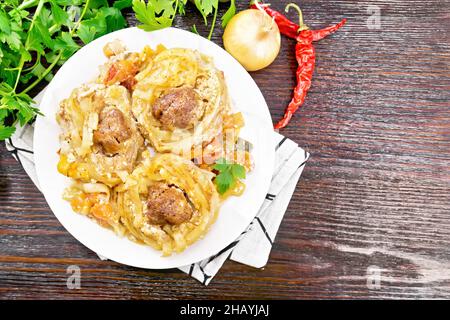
188	69
173	100
109	159
174	171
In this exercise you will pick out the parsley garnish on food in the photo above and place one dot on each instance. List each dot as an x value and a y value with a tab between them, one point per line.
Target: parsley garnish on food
38	35
229	173
158	14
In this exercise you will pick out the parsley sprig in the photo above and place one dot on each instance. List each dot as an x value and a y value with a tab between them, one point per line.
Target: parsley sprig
159	14
229	174
36	36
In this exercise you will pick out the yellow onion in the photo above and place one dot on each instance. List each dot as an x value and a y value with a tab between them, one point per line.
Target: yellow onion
253	39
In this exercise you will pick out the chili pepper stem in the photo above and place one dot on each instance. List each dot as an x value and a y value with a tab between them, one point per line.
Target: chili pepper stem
302	25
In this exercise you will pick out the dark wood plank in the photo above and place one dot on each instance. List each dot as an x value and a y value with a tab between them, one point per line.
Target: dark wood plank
376	191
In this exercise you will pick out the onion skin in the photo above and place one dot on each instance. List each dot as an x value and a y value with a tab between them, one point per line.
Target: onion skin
253	39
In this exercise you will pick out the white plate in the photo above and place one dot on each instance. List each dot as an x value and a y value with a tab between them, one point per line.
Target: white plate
235	214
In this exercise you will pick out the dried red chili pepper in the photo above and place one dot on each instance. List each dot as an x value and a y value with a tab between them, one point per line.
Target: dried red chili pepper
304	53
286	26
320	34
306	59
291	29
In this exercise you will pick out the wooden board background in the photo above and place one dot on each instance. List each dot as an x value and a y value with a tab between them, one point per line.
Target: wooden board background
376	191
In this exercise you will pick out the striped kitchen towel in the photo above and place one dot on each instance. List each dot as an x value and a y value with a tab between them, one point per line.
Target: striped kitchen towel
254	245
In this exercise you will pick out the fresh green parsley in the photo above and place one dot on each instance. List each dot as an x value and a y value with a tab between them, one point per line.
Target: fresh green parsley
229	173
159	14
36	36
156	14
229	14
194	29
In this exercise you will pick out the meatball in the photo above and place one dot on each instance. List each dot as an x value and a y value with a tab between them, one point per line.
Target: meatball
167	205
177	108
111	131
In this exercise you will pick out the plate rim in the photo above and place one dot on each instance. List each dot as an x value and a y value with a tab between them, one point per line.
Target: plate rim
38	127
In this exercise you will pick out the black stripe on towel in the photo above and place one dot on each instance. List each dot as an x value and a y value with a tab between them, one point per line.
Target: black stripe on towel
15	154
264	230
246	230
280	143
18	149
191	269
228	247
205	276
303	163
270	196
